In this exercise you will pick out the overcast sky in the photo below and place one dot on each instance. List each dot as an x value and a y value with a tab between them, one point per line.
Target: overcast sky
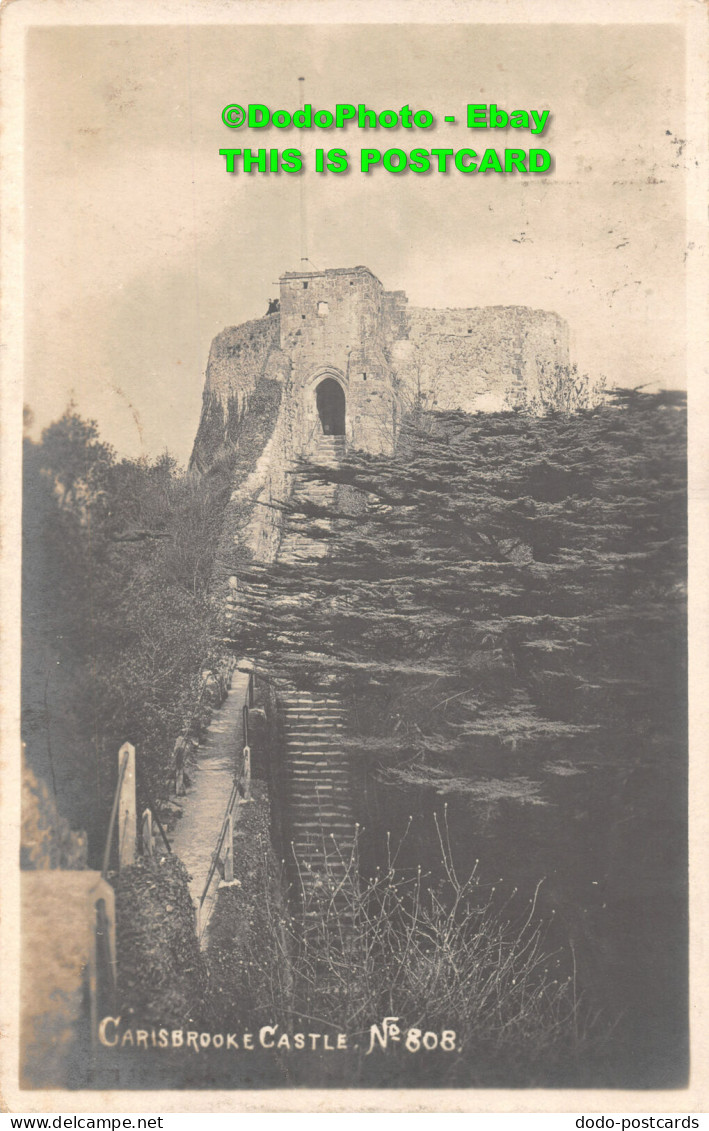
141	247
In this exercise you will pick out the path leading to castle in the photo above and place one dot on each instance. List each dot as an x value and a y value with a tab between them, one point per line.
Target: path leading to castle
195	836
317	776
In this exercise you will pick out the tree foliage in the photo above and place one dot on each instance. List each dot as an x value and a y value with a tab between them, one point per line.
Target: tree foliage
504	580
118	623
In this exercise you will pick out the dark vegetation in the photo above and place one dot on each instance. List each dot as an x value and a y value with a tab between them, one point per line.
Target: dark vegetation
162	974
228	433
444	957
504	611
47	840
117	620
511	581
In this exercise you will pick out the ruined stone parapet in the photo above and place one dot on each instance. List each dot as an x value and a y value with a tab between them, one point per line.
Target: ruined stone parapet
481	359
239	356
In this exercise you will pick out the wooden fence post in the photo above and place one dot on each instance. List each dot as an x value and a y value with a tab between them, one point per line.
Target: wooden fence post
127	816
245	723
228	851
147	834
246	773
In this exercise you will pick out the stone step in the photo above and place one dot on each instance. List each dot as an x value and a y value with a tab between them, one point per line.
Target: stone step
312	706
338	793
321	729
334	805
307	784
322	835
302	755
317	748
298	725
328	751
315	835
305	696
313	711
313	770
310	821
301	720
329	770
306	737
305	768
323	823
318	793
297	732
336	808
330	746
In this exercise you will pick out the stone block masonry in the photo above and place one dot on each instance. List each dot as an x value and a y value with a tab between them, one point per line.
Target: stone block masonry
484	359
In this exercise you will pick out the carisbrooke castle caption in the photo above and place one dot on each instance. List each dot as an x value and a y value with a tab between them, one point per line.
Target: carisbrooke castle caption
381	1036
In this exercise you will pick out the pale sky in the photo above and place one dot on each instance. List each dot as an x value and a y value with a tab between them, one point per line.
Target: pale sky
141	247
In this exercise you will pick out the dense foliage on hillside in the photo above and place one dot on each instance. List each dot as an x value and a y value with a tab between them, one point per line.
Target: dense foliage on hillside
117	622
511	581
503	609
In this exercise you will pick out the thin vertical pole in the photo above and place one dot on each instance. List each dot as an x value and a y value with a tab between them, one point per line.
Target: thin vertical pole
246	774
303	208
229	851
147	836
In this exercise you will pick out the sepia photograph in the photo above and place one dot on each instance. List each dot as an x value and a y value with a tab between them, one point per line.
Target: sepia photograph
353	345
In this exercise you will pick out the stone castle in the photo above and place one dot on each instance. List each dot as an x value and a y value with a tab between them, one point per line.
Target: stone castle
337	355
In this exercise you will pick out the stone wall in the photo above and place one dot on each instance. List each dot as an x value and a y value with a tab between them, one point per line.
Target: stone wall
238	359
482	359
239	355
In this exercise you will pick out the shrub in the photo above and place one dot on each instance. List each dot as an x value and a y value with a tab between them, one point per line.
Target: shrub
452	955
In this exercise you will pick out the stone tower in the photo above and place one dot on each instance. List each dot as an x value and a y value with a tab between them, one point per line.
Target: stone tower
333	331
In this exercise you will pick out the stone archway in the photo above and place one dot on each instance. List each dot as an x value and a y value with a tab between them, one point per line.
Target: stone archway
331	405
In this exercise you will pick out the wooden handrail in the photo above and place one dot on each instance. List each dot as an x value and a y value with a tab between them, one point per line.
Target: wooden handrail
220	842
241	787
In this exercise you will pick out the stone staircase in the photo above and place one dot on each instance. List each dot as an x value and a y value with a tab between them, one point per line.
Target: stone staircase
317	794
317	778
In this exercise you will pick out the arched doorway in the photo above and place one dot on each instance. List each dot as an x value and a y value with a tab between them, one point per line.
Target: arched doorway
330	401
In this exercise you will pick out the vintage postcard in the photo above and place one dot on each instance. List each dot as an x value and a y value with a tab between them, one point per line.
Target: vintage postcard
346	359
